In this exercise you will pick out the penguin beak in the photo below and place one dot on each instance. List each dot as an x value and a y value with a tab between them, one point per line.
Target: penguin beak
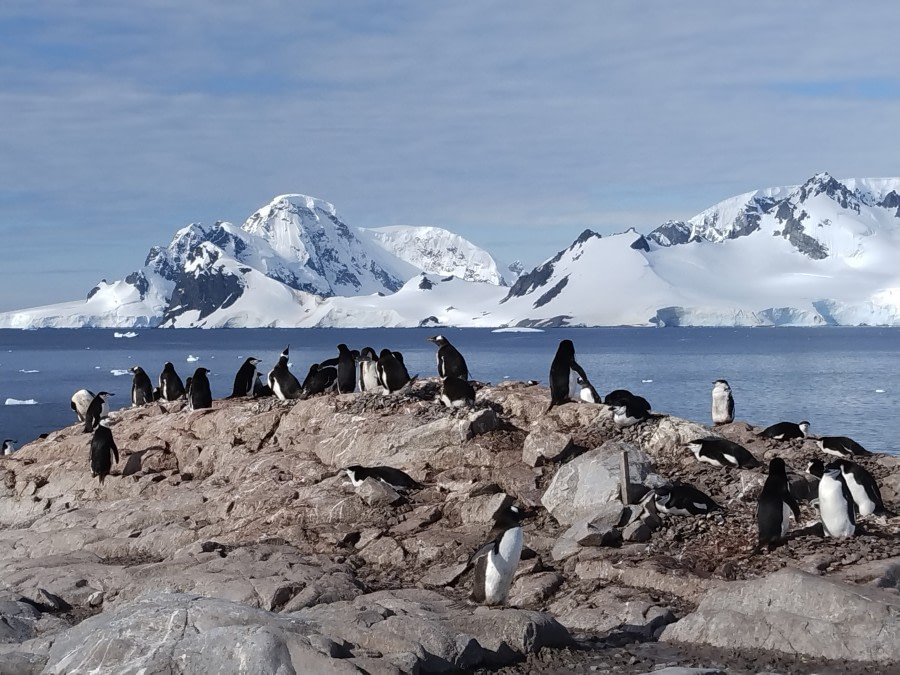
433	338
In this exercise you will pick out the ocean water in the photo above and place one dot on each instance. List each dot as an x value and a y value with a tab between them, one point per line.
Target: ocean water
845	381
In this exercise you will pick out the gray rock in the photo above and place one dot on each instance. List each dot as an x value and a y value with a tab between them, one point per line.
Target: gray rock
485	508
545	445
376	493
580	487
797	613
637	532
677	670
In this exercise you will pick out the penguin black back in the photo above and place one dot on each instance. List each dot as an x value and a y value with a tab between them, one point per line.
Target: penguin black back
95	411
561	374
450	363
103	450
200	395
346	370
392	374
141	387
171	388
245	379
775	498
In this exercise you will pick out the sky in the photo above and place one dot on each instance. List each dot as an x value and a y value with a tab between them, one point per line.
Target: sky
516	124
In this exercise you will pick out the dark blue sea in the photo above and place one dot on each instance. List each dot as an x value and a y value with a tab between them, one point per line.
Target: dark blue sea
845	381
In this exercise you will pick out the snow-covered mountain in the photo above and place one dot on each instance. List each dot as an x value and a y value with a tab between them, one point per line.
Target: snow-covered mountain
822	253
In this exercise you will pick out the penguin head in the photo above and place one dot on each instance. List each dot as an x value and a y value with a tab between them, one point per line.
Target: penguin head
777	467
566	349
135	370
512	516
343	349
368	353
816	468
721	384
804	427
104	395
253	360
167	366
439	340
352	472
385	354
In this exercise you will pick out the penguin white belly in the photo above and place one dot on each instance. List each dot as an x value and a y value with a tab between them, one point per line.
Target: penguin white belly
720	408
833	509
368	378
785	519
860	496
573	385
501	567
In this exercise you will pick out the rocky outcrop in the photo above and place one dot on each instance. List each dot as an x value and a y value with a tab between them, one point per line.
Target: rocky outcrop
237	526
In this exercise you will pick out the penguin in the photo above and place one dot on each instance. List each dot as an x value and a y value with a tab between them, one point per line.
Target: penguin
836	505
245	379
103	451
97	410
141	387
722	403
450	363
496	560
282	381
722	452
261	390
397	479
785	431
81	399
171	388
862	485
199	394
775	506
318	380
367	375
681	500
9	446
346	370
588	394
629	414
842	447
456	392
392	374
623	396
564	373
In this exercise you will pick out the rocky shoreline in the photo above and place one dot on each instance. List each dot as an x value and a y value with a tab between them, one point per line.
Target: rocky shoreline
230	536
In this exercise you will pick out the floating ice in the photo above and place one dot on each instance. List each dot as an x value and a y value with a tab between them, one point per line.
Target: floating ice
119	371
191	358
646	381
879	391
129	334
22	370
15	401
516	329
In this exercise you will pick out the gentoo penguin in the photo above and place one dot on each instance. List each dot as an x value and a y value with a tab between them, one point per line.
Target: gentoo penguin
722	452
171	388
346	370
841	446
103	450
199	394
775	506
564	374
496	560
450	363
368	375
245	379
862	485
785	431
588	394
623	396
392	374
9	446
81	399
722	403
282	381
141	387
397	479
836	505
318	380
681	500
457	393
97	410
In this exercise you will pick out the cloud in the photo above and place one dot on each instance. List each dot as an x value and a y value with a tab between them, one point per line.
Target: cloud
515	123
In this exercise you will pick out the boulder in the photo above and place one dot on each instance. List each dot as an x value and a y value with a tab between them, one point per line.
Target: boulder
799	614
545	445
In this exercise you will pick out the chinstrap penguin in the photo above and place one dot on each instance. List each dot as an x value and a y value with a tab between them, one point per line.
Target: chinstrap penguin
564	374
9	446
775	506
141	387
723	453
862	485
245	379
199	393
722	403
396	478
103	451
367	375
450	363
841	446
588	394
836	505
785	431
171	388
629	414
624	397
97	410
681	500
457	393
496	560
282	381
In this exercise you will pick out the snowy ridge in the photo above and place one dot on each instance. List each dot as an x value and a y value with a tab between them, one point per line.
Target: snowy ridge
821	253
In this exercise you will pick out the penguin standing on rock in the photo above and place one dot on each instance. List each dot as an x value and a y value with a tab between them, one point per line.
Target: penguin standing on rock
171	388
836	505
722	403
785	431
775	506
199	393
861	484
564	374
588	394
450	363
366	365
318	380
81	399
346	370
245	379
97	410
282	381
141	387
392	373
103	451
496	560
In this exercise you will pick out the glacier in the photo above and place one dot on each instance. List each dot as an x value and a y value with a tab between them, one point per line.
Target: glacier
821	253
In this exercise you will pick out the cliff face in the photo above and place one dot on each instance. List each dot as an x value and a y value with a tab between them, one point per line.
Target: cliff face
237	526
